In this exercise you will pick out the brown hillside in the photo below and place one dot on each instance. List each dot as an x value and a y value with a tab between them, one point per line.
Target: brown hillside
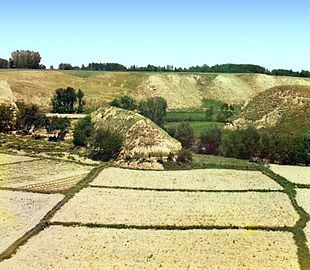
281	108
181	90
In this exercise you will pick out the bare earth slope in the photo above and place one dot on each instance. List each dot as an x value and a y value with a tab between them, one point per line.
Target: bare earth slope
181	90
283	107
141	135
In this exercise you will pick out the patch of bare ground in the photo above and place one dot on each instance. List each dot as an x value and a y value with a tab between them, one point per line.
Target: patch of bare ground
67	248
164	208
20	212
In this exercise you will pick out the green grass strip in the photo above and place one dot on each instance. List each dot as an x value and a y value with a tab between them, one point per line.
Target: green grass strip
167	227
186	190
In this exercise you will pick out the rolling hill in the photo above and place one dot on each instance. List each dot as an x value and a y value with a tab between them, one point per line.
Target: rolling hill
181	90
284	109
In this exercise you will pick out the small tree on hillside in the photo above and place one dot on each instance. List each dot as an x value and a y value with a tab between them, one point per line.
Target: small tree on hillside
64	100
83	131
124	102
29	117
154	108
81	102
106	144
185	134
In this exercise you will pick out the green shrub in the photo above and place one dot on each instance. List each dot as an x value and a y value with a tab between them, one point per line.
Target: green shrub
184	156
241	143
106	144
185	134
288	149
57	126
210	141
125	102
155	109
29	117
7	118
83	131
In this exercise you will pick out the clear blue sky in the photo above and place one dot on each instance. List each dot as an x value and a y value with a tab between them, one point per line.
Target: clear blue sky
274	34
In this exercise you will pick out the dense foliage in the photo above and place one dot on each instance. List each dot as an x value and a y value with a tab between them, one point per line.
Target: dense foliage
4	63
106	144
125	102
83	131
57	126
250	143
31	60
184	133
29	117
25	59
7	117
154	108
65	99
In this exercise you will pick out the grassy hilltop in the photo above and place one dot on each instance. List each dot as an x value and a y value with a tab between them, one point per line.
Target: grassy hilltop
183	91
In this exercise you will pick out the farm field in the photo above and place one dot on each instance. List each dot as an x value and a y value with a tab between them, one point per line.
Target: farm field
211	179
20	212
295	174
131	219
7	159
151	249
162	208
41	174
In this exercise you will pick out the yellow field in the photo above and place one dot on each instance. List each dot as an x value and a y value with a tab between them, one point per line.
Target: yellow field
59	247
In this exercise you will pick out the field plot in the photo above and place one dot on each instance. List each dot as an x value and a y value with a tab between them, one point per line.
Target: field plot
164	208
6	159
58	247
38	172
303	199
295	174
20	212
206	179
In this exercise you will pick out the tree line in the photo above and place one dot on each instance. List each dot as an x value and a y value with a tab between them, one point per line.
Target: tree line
31	60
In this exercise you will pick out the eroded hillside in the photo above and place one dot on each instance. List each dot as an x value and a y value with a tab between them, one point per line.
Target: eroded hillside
283	108
181	90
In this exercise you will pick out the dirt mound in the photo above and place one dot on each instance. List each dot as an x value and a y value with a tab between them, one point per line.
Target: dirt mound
285	107
141	135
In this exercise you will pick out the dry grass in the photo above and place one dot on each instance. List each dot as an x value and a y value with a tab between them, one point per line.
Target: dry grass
295	174
152	208
38	172
181	90
20	212
6	159
207	179
67	248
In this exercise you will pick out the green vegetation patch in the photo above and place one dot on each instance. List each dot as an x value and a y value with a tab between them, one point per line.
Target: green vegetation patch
80	73
198	126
